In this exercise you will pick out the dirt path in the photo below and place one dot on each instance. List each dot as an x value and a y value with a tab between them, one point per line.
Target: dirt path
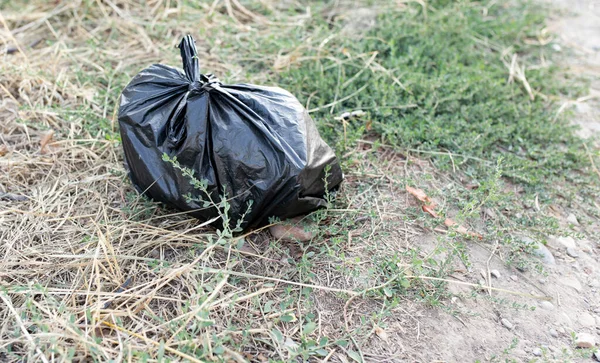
579	29
495	326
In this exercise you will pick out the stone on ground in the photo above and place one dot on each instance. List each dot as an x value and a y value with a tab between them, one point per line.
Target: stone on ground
585	340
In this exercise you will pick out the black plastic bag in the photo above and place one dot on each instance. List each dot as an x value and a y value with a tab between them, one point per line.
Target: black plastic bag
254	145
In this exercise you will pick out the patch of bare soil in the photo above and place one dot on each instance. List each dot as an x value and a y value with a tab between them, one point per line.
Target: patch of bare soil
578	28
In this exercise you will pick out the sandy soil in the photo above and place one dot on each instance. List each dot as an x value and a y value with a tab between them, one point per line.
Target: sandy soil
579	29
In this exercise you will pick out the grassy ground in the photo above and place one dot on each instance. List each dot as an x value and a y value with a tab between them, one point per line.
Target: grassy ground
460	99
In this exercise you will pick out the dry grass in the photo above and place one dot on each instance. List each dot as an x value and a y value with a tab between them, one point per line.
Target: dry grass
89	271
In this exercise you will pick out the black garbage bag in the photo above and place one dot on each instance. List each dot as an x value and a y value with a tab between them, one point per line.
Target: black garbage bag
255	145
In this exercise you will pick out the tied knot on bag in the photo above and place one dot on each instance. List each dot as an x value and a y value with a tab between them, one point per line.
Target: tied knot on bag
206	82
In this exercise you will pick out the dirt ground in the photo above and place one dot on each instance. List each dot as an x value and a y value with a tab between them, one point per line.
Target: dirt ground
546	333
579	29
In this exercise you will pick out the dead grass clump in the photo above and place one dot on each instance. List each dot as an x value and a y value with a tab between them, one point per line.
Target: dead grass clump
91	271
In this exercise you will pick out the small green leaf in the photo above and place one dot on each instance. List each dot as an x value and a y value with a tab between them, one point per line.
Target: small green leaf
342	343
288	318
354	355
323	341
322	352
161	351
277	334
388	292
268	307
405	283
218	350
309	327
240	244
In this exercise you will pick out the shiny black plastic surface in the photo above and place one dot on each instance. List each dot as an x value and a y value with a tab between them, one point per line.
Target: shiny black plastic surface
248	142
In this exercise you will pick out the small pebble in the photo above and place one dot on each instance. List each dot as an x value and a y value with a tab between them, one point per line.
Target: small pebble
546	305
572	219
564	241
597	356
585	340
561	330
514	278
544	254
507	324
495	273
537	352
556	47
572	252
586	319
571	282
565	321
553	333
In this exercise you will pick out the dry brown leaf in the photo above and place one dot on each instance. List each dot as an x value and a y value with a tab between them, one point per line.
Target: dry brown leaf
45	140
472	186
555	211
294	231
282	62
3	150
431	210
381	333
420	195
461	229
